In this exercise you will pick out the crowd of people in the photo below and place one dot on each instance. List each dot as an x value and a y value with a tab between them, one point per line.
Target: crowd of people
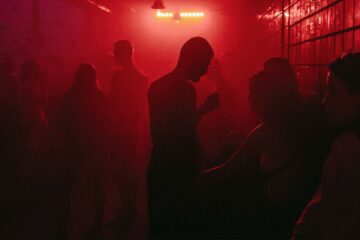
295	175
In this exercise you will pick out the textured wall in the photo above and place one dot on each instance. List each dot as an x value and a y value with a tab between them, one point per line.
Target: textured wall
311	33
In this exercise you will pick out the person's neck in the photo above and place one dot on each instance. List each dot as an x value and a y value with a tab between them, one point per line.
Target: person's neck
128	65
180	73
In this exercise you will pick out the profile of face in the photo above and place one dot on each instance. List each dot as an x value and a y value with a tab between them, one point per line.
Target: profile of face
342	106
195	58
199	68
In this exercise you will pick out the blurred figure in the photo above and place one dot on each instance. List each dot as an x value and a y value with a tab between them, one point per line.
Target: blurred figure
283	68
174	164
7	112
128	100
8	134
85	120
276	168
333	212
32	100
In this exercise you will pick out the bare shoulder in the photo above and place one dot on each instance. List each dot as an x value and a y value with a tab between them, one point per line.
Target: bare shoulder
347	141
158	87
257	134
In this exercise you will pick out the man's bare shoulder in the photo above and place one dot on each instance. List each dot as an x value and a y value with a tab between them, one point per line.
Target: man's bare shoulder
170	84
159	84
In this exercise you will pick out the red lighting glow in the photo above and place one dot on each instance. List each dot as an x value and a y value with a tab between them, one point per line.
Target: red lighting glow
101	7
160	14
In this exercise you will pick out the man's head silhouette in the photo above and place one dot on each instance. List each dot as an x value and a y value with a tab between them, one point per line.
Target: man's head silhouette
195	57
123	51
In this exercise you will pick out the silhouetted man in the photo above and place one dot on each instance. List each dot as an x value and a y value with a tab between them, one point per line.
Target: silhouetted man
128	97
174	164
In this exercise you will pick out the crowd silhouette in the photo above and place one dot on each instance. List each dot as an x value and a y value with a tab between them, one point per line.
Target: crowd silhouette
80	173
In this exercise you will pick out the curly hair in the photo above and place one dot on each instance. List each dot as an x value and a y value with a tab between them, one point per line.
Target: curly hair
347	69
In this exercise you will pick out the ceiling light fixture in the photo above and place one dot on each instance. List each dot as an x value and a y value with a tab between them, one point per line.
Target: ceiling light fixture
158	4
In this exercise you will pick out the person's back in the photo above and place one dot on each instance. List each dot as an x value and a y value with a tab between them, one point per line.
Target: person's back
85	122
128	95
85	118
85	115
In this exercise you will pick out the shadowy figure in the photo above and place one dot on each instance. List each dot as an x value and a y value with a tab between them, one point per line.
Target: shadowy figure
333	212
174	165
128	96
283	68
272	175
8	137
32	123
7	113
85	120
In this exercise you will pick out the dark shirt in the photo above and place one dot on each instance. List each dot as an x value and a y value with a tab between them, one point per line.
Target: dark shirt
128	97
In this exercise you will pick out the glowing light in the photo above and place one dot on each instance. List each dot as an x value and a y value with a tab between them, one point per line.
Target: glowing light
164	14
160	14
101	7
